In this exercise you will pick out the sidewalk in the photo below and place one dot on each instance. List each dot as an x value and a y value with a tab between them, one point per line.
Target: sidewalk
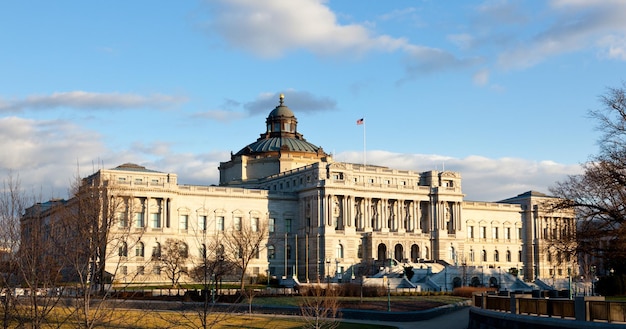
455	320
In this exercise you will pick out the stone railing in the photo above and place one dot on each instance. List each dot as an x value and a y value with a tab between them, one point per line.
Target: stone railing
581	308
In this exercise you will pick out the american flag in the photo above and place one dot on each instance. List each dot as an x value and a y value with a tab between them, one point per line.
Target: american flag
359	122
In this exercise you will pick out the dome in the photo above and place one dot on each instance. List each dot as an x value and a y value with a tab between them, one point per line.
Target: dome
275	144
281	110
281	134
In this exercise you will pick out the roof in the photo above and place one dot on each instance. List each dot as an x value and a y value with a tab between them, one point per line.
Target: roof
278	143
133	167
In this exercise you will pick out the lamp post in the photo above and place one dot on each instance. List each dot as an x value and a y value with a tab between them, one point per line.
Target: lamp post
328	270
389	286
569	281
593	278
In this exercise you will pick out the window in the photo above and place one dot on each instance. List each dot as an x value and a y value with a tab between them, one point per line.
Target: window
339	251
519	233
184	222
123	250
255	224
508	256
121	179
156	269
184	251
220	223
484	255
156	251
519	256
483	232
138	180
507	233
496	256
470	232
271	224
271	252
121	219
471	255
124	270
287	225
203	251
155	220
288	251
255	253
202	223
139	220
140	270
139	249
238	223
494	233
154	181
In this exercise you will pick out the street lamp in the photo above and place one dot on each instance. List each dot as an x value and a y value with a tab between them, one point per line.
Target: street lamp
593	278
569	281
328	270
389	286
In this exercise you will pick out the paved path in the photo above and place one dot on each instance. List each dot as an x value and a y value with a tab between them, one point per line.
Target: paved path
454	320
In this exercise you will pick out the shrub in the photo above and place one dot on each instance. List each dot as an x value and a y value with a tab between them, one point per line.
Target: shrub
468	291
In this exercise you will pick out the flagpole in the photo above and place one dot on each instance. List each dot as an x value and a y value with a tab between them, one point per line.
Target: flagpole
361	122
364	149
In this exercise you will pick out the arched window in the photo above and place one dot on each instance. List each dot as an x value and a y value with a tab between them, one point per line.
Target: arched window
203	251
496	256
340	251
415	253
156	251
508	256
484	255
184	250
382	252
471	255
398	252
123	250
271	252
139	249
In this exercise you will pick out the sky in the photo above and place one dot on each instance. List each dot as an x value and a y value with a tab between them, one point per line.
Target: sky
499	91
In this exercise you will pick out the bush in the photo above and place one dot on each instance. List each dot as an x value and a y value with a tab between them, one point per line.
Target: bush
467	292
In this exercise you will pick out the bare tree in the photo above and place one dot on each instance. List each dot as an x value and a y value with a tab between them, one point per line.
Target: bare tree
39	263
244	242
598	195
174	255
89	233
12	206
320	306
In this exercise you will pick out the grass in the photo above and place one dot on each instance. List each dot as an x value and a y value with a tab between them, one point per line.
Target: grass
135	319
297	300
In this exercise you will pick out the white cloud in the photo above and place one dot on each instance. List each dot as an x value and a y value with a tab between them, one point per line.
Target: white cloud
89	100
578	25
304	101
481	78
220	115
272	27
613	47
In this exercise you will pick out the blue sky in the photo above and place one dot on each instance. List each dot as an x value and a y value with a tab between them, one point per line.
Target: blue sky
496	90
